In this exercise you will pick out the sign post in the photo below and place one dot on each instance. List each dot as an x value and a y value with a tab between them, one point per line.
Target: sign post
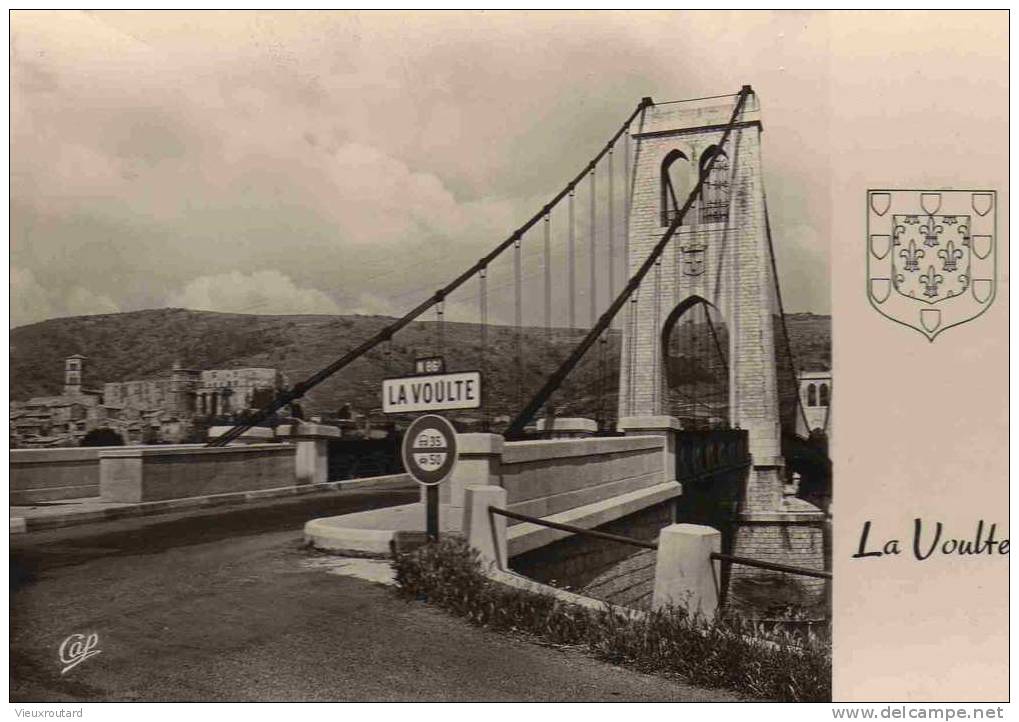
429	455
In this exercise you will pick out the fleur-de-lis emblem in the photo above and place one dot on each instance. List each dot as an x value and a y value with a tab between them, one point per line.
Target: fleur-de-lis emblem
897	235
964	233
912	256
931	232
931	281
950	255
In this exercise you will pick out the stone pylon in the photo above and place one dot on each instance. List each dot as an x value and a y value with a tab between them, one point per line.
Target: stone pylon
720	256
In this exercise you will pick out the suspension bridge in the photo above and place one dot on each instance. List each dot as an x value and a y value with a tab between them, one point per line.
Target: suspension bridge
661	249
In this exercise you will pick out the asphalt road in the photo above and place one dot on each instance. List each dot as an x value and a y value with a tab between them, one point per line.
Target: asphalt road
225	605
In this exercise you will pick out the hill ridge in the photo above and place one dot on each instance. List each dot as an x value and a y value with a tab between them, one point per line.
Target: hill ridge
137	345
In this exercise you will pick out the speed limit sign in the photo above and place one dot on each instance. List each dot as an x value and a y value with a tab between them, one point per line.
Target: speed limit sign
429	449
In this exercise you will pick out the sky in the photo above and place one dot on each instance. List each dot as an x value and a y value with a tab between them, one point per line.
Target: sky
344	162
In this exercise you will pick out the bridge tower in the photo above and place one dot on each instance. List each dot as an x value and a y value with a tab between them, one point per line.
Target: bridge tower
718	259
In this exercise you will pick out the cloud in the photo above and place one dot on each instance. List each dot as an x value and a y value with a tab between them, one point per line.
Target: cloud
31	301
263	292
82	302
375	155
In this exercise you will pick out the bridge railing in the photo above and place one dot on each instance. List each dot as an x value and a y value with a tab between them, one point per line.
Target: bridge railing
702	453
685	571
573	529
770	566
715	556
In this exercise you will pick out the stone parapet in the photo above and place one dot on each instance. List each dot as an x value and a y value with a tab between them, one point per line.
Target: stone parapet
567	427
41	475
254	435
305	430
154	473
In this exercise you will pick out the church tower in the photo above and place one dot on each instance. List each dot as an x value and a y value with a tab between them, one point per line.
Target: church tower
74	372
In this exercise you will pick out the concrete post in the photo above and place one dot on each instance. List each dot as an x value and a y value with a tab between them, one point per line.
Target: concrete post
311	462
667	426
120	476
685	575
485	531
478	464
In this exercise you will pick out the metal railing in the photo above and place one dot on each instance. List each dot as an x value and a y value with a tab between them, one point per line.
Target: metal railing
715	556
703	453
573	529
771	566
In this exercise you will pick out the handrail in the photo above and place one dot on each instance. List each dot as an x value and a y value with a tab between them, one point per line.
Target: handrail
771	566
715	472
715	556
571	528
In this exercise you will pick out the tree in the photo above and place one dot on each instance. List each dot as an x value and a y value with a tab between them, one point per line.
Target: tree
102	437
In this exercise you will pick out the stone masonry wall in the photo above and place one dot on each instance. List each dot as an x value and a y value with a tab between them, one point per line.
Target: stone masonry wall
607	570
766	595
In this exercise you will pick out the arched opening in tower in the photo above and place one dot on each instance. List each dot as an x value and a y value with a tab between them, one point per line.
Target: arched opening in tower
695	349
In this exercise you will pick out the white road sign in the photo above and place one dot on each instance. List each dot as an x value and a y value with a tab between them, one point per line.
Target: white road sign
432	393
429	449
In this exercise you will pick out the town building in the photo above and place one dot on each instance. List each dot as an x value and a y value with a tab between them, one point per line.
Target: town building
159	410
815	398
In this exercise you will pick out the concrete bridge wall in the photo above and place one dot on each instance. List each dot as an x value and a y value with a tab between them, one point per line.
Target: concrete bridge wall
41	475
543	478
627	486
624	485
154	473
582	482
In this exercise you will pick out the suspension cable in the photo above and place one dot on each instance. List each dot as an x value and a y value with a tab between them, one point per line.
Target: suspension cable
299	389
571	252
781	312
594	252
612	231
440	330
548	280
518	321
483	347
631	350
602	384
656	400
714	335
517	426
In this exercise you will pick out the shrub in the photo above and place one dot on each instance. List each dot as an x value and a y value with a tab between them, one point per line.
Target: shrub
710	653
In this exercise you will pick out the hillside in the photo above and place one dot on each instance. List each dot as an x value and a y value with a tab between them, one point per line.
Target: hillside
145	344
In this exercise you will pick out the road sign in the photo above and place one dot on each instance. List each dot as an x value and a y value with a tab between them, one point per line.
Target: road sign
430	365
440	392
429	449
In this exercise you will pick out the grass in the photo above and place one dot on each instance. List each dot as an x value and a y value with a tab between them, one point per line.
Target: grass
669	642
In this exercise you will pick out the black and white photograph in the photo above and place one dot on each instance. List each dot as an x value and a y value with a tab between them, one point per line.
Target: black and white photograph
454	356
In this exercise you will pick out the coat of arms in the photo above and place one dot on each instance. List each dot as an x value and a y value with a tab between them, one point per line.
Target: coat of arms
930	256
